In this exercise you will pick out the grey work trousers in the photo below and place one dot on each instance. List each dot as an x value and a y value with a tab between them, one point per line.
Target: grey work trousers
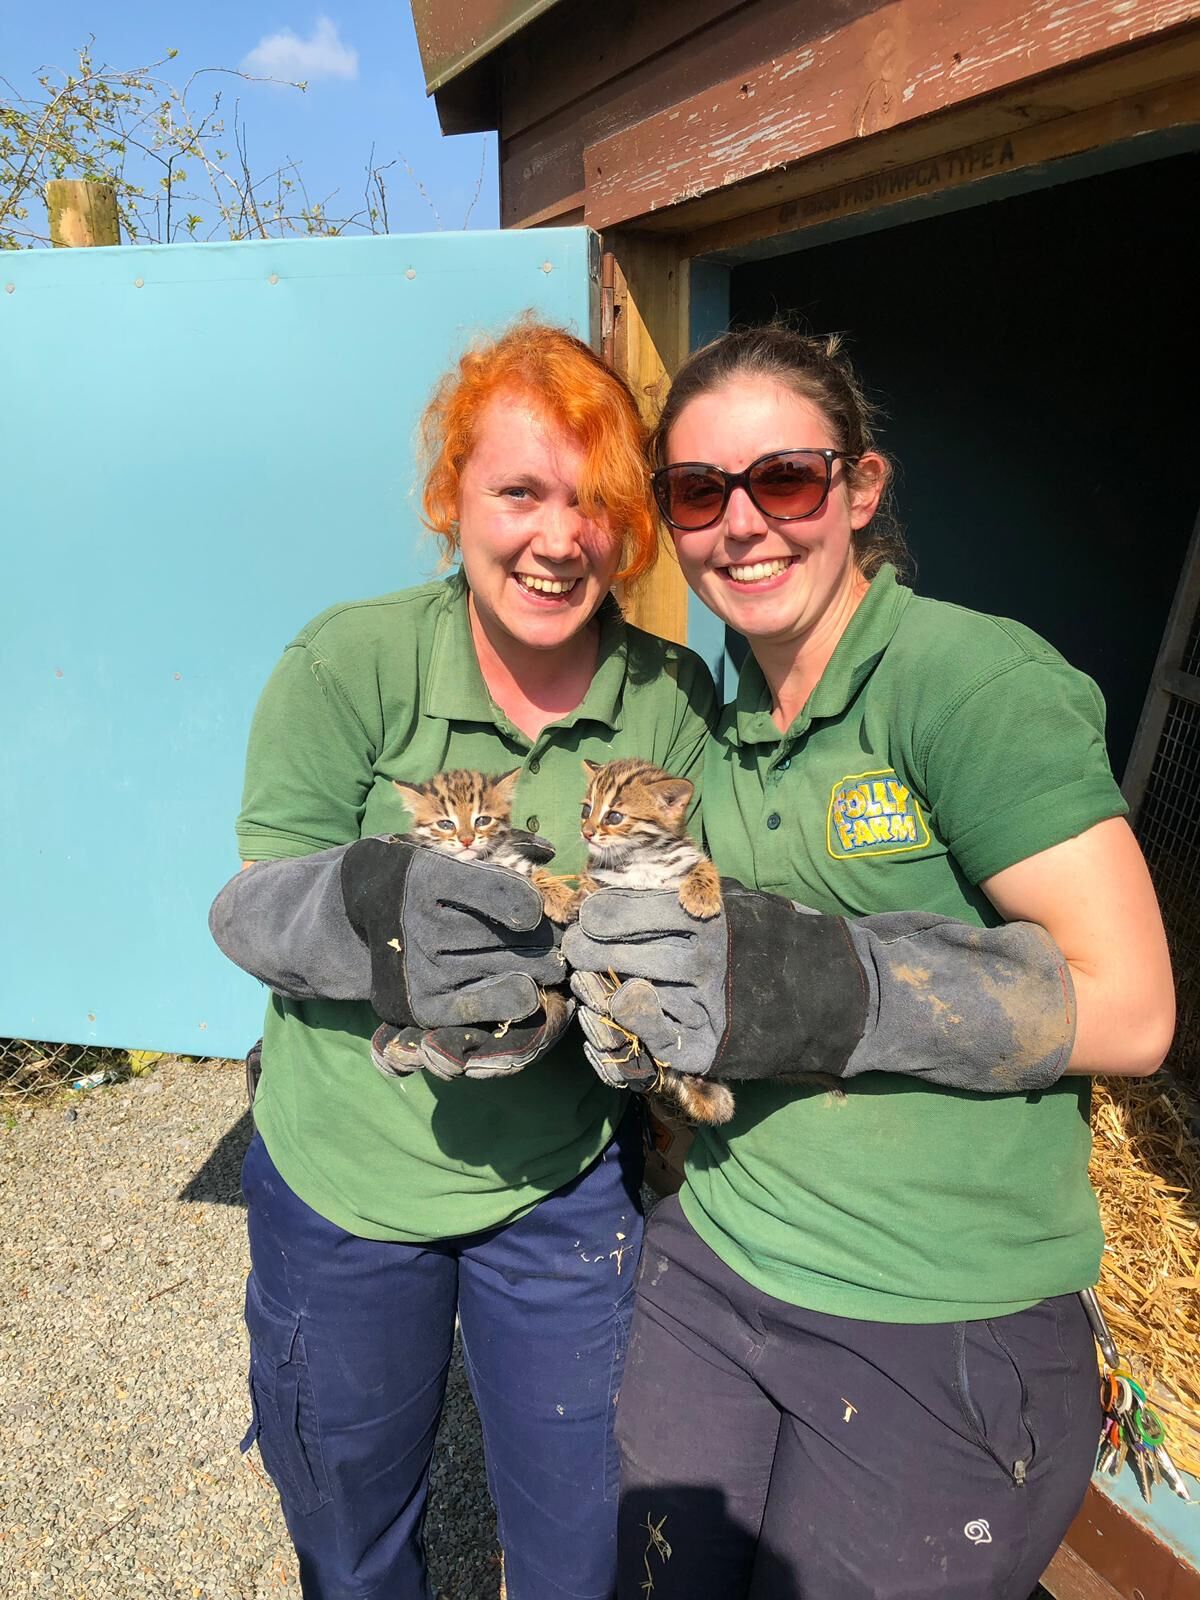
773	1453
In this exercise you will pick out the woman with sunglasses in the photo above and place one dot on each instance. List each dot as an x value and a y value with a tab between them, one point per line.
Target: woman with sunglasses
859	1366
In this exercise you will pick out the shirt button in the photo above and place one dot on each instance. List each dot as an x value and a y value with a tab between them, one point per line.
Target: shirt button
532	824
535	766
783	765
773	820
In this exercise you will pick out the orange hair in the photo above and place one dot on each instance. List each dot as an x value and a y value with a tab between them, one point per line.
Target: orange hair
575	389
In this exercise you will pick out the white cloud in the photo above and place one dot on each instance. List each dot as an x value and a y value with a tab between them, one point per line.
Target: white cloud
286	55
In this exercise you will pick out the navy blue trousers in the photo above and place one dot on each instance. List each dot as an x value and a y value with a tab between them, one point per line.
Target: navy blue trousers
772	1453
350	1342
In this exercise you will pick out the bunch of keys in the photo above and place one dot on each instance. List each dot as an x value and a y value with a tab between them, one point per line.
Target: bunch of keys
1133	1430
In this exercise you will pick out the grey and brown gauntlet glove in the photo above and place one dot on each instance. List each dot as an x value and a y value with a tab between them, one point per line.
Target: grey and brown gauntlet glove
769	989
433	943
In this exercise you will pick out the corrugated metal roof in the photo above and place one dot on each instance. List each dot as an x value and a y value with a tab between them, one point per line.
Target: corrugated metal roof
454	34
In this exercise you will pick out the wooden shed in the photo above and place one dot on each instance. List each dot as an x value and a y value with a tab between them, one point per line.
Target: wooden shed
995	203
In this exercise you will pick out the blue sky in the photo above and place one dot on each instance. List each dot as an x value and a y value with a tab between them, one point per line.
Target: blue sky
365	86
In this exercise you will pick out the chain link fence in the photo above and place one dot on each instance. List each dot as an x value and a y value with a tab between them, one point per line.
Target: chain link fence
31	1069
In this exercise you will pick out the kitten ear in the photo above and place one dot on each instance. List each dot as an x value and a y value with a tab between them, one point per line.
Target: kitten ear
504	788
591	768
672	795
411	797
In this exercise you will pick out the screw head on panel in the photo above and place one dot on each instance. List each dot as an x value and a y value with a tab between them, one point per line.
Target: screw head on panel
411	273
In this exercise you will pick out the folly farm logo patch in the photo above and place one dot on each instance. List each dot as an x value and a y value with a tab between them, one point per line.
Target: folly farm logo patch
874	814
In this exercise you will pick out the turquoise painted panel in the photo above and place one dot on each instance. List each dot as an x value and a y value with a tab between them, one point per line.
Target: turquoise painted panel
201	446
709	316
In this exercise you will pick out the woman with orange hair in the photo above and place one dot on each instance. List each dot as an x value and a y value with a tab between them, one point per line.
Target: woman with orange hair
498	1185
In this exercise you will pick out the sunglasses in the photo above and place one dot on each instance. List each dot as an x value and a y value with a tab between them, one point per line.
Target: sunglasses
785	485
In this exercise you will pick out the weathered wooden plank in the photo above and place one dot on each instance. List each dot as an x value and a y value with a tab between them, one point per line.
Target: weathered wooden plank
564	213
537	175
1069	1578
575	51
1119	76
1134	1562
644	326
1173	105
892	67
591	84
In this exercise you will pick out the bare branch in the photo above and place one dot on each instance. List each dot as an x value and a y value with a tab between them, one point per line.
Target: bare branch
421	189
174	169
478	185
381	188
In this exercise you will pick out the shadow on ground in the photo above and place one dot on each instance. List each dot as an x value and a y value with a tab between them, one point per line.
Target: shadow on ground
219	1180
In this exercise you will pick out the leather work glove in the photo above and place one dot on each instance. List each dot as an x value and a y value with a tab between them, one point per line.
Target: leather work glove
430	941
452	943
770	989
478	1052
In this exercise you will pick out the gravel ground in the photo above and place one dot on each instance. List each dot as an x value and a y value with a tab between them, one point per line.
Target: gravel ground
123	1361
123	1357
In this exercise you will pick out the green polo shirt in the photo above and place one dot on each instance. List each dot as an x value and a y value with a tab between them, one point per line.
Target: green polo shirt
938	748
391	688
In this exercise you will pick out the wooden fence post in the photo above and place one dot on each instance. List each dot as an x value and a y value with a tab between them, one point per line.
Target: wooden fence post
82	212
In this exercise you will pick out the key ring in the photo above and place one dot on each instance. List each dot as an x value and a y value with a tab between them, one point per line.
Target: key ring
1125	1377
1148	1425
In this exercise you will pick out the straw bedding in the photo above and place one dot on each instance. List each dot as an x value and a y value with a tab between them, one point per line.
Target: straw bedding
1146	1171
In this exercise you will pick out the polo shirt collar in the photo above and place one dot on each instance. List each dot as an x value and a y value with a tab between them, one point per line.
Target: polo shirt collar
858	652
456	691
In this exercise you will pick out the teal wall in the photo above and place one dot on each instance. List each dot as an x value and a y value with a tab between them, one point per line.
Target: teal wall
201	446
1037	361
708	309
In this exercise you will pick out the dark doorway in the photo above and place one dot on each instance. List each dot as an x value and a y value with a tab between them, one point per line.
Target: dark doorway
1037	360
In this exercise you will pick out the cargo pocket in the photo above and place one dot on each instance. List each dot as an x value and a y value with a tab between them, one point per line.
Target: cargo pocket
284	1420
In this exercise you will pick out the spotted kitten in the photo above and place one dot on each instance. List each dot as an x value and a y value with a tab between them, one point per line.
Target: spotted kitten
634	822
468	815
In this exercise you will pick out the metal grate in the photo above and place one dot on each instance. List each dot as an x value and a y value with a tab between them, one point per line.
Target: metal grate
1169	829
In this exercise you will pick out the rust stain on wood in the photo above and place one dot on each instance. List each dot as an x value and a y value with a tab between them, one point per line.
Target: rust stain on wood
913	59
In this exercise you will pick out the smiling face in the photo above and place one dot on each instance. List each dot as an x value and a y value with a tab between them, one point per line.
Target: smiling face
772	580
537	565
